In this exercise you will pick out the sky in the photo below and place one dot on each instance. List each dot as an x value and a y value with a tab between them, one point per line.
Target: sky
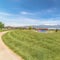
29	12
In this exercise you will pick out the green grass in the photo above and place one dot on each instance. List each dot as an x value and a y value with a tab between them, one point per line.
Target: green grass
2	30
32	45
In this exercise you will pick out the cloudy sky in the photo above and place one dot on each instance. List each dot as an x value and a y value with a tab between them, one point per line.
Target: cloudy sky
29	12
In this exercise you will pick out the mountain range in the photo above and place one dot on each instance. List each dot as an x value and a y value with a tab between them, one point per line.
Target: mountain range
48	26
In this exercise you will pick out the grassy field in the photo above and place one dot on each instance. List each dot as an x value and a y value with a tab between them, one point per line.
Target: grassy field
1	30
32	45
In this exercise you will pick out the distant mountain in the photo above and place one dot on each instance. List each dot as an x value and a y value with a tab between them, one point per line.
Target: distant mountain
48	26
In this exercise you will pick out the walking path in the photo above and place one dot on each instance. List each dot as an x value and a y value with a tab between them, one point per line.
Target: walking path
5	52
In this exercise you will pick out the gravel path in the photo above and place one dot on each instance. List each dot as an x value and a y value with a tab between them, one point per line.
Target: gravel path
5	52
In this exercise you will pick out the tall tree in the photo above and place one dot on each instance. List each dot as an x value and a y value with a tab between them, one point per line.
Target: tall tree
1	25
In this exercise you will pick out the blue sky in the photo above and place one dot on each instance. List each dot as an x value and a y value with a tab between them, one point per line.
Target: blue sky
29	12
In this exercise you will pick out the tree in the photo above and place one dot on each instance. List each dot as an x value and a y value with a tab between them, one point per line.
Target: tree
1	25
56	30
30	27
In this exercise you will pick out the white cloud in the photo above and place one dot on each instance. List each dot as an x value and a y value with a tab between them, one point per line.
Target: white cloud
22	22
50	24
26	13
23	12
51	10
28	21
17	20
5	14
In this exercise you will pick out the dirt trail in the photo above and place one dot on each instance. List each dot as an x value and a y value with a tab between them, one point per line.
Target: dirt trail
5	52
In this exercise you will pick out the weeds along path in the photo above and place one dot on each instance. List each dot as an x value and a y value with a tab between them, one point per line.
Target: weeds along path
5	52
